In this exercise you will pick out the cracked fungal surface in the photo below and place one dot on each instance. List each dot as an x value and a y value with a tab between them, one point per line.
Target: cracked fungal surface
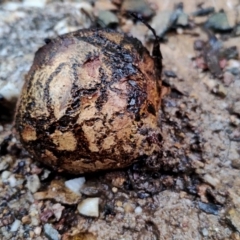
90	102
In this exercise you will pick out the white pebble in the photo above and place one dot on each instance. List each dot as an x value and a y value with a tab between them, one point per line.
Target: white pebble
204	232
11	6
211	180
33	183
12	181
45	174
233	64
179	31
5	175
62	27
75	184
138	210
89	207
35	3
15	225
57	210
35	221
9	91
38	230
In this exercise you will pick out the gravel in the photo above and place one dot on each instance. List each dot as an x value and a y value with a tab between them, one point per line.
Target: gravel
50	232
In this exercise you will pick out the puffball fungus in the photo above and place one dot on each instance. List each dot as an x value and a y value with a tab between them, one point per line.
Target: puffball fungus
90	102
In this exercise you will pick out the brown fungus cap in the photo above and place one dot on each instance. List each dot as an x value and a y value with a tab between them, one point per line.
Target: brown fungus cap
91	102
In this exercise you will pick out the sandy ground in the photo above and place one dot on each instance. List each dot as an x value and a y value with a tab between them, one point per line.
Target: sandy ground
192	192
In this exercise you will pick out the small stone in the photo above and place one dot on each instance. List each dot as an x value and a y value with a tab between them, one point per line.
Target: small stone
9	91
182	19
232	63
16	224
204	232
31	234
138	6
138	210
183	194
62	26
12	181
5	175
119	203
35	221
228	78
128	207
26	219
51	232
208	208
180	31
211	180
33	183
89	207
45	174
57	210
102	5
161	23
218	22
75	184
170	73
107	19
38	230
114	189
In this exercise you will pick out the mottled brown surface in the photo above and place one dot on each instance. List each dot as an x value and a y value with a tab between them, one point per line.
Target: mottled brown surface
90	102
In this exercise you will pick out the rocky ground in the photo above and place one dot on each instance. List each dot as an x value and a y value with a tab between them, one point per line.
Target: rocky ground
193	191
